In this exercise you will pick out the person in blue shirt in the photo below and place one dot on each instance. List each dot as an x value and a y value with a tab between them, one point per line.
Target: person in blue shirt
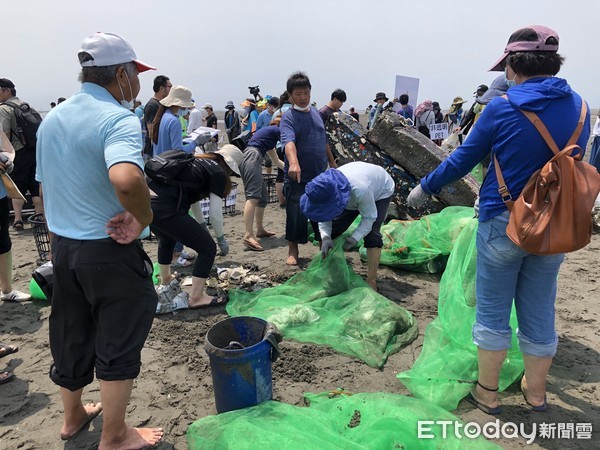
304	140
264	118
166	127
261	145
97	203
250	115
505	271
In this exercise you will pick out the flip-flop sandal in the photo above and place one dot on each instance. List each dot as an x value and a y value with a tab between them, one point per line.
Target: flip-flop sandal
6	350
18	225
5	377
254	246
486	409
266	234
214	302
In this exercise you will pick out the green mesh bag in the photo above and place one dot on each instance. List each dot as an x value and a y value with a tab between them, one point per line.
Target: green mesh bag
422	245
329	304
446	369
330	422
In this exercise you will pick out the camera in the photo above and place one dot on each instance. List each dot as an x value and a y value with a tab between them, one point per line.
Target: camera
254	90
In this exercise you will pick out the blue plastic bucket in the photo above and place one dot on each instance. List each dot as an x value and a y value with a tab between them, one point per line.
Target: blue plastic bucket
240	363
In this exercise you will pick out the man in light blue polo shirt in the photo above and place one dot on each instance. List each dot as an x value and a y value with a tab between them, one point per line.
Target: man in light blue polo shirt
97	203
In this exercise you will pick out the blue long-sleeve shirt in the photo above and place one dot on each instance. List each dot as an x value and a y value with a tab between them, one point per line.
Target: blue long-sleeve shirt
169	136
513	139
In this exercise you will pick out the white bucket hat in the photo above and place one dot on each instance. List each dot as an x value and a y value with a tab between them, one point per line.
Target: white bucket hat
178	96
233	157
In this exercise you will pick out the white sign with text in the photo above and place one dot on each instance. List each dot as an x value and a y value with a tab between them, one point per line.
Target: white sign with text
438	131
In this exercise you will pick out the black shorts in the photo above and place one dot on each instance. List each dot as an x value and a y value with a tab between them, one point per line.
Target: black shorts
24	172
103	305
5	242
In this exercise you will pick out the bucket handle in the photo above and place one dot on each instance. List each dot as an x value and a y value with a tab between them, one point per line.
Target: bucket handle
273	336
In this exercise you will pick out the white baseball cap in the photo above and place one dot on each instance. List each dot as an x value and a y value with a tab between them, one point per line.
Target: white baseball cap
108	49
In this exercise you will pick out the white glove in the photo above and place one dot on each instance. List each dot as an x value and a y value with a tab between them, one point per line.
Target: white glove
417	197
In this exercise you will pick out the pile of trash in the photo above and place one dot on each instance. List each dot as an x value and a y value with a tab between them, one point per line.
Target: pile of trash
406	154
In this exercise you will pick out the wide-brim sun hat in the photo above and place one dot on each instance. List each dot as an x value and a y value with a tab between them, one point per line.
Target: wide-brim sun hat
325	196
532	38
178	96
458	101
232	156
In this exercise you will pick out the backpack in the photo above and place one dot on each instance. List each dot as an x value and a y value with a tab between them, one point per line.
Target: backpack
241	140
166	167
553	213
423	127
28	122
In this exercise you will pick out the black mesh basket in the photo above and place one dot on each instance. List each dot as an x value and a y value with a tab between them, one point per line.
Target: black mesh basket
271	191
41	235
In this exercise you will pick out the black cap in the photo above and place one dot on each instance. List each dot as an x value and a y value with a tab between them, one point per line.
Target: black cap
481	88
6	83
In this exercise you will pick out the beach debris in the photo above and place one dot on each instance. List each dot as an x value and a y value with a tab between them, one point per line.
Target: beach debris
406	154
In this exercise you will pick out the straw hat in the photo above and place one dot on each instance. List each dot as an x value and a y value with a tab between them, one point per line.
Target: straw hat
233	157
458	101
178	96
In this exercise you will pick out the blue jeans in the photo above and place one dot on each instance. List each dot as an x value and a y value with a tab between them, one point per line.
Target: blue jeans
506	272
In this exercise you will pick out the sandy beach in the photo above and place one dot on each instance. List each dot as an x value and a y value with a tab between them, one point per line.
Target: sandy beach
175	387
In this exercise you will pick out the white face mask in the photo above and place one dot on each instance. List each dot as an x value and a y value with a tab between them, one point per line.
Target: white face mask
299	108
124	103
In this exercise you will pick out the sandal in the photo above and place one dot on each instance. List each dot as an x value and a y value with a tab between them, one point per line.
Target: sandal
251	244
5	377
18	225
6	350
492	411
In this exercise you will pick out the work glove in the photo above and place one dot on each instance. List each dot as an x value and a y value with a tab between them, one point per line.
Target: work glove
417	197
349	243
326	245
223	245
8	164
476	207
202	139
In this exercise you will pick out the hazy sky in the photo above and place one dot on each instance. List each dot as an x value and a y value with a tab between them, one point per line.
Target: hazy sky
221	47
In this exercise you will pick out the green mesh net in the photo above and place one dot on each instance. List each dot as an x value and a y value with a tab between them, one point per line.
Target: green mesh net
329	304
422	245
446	369
331	422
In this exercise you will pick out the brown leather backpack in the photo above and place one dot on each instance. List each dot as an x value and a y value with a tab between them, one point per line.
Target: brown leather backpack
553	212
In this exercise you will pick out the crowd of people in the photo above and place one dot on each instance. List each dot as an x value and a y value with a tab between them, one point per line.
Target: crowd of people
99	327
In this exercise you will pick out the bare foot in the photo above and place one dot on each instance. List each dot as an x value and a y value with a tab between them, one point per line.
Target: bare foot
292	260
69	431
134	439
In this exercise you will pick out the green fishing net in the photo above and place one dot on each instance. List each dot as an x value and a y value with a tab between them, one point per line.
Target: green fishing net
332	421
422	245
329	304
446	369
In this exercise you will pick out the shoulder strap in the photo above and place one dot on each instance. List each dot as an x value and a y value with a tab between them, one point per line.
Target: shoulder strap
539	125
